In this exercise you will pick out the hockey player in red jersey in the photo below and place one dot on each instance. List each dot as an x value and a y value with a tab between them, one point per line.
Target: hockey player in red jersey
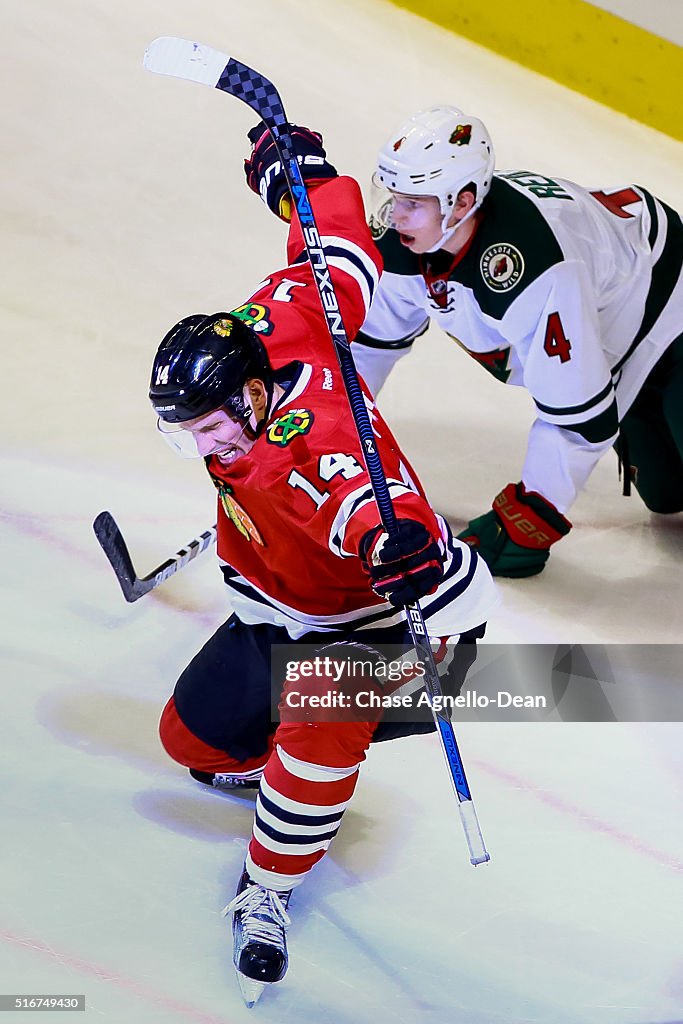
576	295
258	394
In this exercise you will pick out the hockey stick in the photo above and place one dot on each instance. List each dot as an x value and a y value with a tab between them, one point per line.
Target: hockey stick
182	58
115	548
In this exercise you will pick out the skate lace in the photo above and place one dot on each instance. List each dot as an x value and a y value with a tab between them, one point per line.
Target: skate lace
263	914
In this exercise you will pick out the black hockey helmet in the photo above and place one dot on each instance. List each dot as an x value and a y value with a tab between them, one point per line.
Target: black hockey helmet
203	363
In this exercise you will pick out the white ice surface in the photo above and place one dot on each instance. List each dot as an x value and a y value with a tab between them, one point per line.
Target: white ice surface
123	209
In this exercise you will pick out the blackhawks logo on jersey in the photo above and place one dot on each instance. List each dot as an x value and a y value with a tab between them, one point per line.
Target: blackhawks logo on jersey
237	516
256	316
502	266
288	426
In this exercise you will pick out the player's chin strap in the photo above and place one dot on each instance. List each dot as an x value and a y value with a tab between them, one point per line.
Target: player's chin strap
448	232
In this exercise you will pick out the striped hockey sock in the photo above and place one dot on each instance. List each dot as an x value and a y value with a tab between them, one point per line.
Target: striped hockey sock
298	813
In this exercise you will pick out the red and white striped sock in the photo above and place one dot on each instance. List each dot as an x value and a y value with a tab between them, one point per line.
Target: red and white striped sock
298	813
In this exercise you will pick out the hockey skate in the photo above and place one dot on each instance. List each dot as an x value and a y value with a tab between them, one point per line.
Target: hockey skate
226	783
259	920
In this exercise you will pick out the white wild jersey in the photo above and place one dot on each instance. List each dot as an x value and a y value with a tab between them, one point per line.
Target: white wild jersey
569	292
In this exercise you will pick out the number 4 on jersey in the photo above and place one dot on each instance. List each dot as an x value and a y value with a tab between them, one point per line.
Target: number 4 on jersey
556	343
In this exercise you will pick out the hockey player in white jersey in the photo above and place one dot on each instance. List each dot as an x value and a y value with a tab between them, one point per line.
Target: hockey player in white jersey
574	294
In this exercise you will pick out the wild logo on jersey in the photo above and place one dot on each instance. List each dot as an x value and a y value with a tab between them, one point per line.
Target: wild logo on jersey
237	515
285	428
502	266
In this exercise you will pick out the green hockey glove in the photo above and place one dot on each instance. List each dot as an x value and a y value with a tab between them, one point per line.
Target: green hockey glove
514	538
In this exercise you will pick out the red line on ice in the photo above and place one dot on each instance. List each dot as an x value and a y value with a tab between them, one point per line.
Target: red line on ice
192	1013
577	812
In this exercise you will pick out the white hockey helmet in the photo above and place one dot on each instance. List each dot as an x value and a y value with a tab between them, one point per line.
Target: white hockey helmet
437	152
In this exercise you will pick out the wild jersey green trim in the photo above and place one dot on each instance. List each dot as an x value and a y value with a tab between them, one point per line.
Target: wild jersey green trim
650	203
569	410
600	428
665	275
369	342
511	224
397	259
513	237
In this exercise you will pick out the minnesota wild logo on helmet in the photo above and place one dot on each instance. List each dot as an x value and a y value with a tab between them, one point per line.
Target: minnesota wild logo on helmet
462	135
288	426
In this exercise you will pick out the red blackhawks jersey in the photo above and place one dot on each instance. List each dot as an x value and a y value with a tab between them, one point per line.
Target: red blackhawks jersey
292	512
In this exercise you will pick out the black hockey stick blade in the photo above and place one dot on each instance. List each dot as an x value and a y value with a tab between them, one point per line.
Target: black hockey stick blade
115	548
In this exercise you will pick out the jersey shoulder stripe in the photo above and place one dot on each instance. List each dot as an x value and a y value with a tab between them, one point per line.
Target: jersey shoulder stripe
350	258
335	246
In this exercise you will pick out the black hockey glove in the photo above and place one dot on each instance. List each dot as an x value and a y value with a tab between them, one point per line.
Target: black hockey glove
514	538
404	567
264	172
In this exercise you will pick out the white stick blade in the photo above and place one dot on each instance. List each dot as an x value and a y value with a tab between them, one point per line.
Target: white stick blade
182	58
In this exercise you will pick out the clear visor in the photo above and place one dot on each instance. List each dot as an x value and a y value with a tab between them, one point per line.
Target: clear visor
385	206
230	440
380	206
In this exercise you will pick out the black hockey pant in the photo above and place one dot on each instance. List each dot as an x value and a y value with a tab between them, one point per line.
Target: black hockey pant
650	444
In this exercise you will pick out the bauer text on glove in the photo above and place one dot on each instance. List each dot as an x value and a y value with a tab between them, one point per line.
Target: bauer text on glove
514	538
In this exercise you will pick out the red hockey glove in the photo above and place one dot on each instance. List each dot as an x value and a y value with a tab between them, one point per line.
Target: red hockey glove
264	172
404	567
515	537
